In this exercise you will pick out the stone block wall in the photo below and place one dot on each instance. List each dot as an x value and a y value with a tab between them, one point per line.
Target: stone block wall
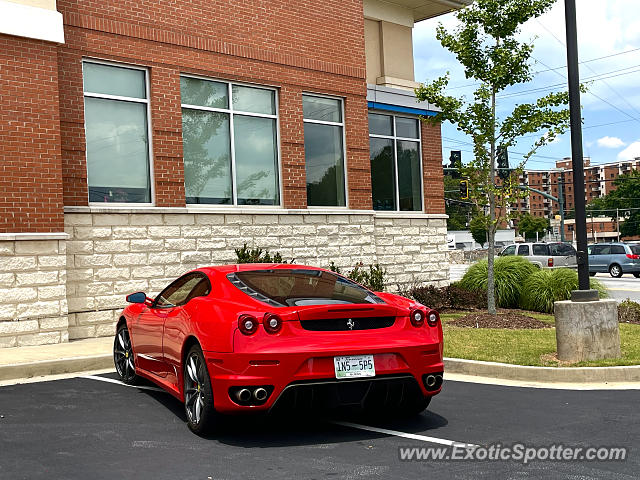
33	310
112	254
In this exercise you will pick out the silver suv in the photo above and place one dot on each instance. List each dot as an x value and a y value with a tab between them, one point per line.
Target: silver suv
615	258
544	255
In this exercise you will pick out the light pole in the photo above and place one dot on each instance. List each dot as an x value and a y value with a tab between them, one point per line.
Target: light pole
576	144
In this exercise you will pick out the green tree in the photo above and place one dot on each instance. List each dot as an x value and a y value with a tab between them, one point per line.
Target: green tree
486	44
529	225
479	228
624	200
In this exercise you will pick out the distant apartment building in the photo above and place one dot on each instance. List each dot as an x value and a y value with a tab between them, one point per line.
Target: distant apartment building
598	182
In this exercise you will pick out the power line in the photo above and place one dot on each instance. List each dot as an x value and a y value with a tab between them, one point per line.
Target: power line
548	69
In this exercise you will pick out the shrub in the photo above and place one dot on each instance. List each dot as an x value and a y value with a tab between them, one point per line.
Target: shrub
629	312
257	255
373	278
544	287
449	297
510	273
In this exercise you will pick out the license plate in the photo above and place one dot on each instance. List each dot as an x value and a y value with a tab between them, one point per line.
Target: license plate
354	366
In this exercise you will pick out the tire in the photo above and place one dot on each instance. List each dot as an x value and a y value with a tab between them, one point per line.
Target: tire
592	274
636	274
123	356
615	270
198	395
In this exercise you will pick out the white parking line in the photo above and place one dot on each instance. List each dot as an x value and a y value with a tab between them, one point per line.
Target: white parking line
411	436
118	382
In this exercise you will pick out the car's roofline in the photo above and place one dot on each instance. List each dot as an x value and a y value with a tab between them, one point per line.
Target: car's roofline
244	267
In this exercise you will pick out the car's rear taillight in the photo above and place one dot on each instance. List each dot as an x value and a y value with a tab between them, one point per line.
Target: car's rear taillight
272	323
248	324
550	262
433	318
417	317
633	256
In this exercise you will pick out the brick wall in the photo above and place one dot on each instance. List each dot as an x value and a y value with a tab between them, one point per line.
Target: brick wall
290	45
432	168
30	168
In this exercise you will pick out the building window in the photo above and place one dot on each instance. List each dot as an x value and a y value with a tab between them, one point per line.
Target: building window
116	112
230	143
324	151
395	154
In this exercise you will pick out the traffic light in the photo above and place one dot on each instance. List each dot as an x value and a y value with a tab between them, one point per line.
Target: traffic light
464	189
503	163
455	162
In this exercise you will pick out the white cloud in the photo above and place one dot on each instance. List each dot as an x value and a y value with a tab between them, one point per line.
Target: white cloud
610	142
631	152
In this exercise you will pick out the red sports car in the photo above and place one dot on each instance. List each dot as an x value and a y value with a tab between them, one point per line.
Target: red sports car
269	337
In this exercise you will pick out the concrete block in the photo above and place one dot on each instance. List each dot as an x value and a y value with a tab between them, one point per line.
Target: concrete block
141	219
587	330
7	248
47	338
179	219
36	247
17	264
52	261
111	246
18	327
77	219
54	323
37	278
165	231
110	219
121	233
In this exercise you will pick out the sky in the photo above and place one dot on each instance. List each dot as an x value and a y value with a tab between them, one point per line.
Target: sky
611	107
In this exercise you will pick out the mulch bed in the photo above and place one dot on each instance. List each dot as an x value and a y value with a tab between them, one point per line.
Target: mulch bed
510	320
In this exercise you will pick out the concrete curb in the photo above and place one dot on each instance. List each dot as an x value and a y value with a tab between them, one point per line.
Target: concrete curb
542	374
55	367
477	368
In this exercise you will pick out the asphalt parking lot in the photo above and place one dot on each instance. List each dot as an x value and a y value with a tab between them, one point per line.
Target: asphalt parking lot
92	428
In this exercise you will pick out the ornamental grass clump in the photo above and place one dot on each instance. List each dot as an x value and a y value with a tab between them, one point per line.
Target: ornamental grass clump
510	274
544	287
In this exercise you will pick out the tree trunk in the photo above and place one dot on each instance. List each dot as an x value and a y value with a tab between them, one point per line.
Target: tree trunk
491	296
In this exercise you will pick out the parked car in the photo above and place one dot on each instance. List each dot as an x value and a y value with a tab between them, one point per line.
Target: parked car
261	337
544	255
616	258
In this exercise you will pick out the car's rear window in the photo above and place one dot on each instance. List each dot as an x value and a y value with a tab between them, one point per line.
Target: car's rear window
298	287
635	249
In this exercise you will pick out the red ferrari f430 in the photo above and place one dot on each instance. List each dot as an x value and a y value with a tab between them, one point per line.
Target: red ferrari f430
279	337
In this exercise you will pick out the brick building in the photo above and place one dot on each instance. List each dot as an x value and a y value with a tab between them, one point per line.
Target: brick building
140	140
598	183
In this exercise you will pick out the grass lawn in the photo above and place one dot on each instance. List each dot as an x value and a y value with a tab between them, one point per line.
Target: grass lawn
525	347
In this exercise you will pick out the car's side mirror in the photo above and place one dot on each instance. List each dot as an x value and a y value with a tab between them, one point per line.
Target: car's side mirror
138	297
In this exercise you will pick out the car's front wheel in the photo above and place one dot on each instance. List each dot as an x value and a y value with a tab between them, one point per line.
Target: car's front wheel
592	274
636	274
615	270
123	356
198	395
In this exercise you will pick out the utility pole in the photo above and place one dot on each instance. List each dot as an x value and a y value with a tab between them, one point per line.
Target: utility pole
576	143
618	224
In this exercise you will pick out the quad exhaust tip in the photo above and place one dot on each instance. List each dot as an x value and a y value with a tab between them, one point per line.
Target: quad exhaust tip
243	395
260	394
433	381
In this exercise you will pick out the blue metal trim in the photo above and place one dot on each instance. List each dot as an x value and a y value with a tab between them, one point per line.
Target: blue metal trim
398	108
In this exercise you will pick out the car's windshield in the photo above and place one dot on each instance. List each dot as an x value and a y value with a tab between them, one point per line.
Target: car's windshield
297	287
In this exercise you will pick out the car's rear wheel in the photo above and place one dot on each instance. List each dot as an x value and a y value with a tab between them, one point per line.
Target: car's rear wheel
615	270
198	395
592	274
636	274
123	356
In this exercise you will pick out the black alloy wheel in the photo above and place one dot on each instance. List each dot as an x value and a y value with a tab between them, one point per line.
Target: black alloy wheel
123	356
